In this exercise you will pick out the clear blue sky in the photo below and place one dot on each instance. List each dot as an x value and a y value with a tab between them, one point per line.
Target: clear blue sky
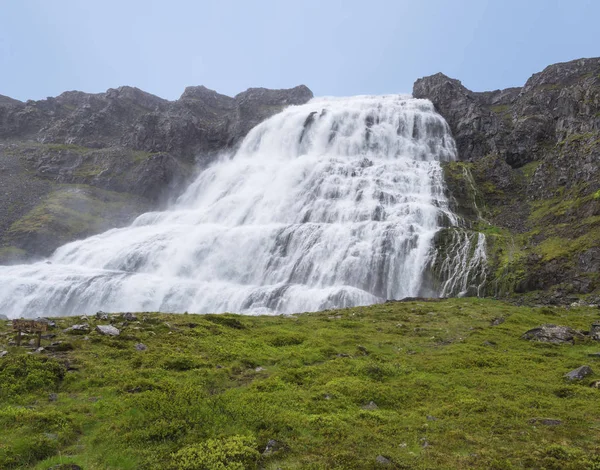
335	47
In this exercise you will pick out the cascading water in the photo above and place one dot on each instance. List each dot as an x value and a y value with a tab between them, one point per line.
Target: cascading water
334	203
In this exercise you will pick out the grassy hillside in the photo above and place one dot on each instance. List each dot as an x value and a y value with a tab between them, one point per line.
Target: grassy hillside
415	385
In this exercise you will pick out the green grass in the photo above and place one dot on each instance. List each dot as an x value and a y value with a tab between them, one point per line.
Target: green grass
451	391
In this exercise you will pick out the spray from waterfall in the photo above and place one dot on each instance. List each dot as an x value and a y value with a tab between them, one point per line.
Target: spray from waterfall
334	203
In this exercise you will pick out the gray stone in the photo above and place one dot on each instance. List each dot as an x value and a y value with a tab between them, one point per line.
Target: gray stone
53	397
595	331
129	316
381	460
272	447
108	330
47	321
140	347
370	406
101	316
82	328
555	334
579	374
497	321
3	353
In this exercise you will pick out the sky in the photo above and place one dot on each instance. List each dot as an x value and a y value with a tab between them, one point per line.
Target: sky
334	47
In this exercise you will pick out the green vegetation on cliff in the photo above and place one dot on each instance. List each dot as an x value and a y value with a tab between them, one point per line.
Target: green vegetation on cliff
415	385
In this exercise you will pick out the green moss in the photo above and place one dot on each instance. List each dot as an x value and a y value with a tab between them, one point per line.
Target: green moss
597	195
231	453
500	109
11	253
556	247
529	169
72	211
437	372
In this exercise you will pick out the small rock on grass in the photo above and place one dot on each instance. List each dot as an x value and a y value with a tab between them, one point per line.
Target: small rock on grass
370	406
101	316
579	373
3	353
108	330
78	329
47	321
381	460
555	334
595	331
140	347
272	446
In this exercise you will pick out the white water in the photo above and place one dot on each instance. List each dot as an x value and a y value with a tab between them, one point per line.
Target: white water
314	211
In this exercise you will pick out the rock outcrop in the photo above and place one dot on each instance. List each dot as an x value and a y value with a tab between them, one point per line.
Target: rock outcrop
80	163
530	160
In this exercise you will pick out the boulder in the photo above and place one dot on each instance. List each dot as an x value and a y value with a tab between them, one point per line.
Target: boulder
555	334
595	331
108	330
579	374
102	316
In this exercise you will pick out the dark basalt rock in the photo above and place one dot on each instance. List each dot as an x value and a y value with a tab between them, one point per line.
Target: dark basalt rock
141	148
529	164
516	123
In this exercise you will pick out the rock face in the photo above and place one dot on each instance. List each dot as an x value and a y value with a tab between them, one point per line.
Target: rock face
529	175
80	163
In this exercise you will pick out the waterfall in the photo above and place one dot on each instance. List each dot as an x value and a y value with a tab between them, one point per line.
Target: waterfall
333	203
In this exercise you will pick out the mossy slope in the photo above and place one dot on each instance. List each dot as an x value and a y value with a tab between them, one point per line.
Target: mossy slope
449	390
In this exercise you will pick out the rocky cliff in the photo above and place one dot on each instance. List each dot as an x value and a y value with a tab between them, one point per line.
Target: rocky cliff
80	163
529	176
